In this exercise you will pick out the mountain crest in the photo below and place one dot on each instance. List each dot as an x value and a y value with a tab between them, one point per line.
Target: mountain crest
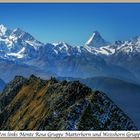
96	40
64	105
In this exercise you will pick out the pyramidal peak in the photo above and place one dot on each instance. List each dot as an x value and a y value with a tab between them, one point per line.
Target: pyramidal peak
96	40
94	36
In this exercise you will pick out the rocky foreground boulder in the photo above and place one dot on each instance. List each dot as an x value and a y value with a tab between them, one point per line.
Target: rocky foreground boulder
36	104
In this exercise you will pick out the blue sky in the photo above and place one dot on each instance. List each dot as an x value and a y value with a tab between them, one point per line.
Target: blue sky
73	23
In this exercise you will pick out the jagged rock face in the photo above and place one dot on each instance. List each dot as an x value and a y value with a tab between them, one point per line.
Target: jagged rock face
35	104
10	91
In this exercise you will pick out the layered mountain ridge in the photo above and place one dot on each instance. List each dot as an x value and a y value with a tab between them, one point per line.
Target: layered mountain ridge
36	104
96	58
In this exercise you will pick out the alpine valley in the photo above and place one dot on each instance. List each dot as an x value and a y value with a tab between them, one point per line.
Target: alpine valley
110	68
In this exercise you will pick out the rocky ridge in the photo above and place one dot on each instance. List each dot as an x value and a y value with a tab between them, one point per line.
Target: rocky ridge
36	104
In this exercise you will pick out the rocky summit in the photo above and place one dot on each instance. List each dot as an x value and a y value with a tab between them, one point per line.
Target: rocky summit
36	104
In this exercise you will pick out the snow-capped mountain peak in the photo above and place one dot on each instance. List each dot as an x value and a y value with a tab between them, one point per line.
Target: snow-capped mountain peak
21	34
60	44
3	30
62	48
129	47
17	43
96	40
94	35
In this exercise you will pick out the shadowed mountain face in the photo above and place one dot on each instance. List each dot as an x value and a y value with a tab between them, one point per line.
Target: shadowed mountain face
125	94
35	104
2	84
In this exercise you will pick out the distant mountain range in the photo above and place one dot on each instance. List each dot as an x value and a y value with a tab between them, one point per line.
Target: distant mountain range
96	58
36	104
111	68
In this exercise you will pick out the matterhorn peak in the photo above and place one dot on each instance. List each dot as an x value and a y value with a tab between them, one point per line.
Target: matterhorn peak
96	40
96	33
3	30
